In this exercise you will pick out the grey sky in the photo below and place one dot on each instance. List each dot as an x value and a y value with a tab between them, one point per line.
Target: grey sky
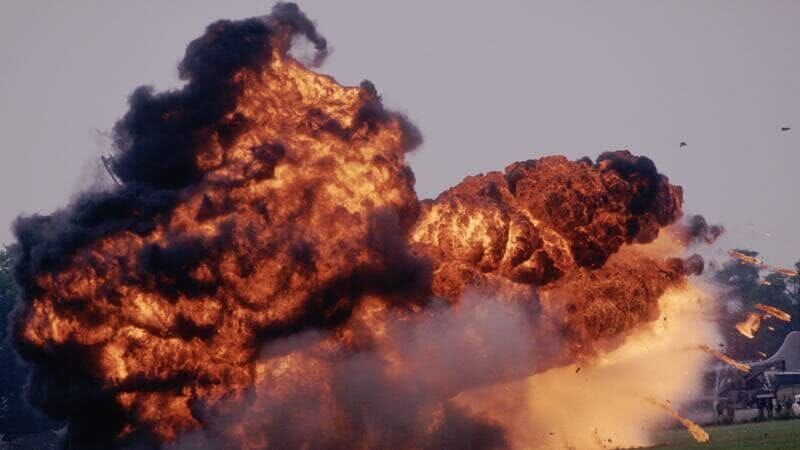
488	83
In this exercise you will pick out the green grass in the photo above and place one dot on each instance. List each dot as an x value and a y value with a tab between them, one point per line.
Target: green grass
775	435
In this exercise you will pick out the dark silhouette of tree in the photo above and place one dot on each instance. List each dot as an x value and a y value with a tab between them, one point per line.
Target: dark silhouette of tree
793	288
744	286
16	416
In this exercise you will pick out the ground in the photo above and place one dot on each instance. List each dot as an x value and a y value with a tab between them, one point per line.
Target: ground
775	435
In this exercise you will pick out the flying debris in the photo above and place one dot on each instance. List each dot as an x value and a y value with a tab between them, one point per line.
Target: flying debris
774	312
265	275
696	431
749	327
753	261
747	259
759	386
725	358
787	272
108	163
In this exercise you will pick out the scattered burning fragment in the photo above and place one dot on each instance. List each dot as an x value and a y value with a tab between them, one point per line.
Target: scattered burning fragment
265	276
774	312
753	261
696	431
562	408
786	272
747	259
725	358
749	327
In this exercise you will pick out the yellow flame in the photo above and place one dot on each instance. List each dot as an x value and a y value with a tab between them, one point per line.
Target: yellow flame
725	358
774	312
603	403
749	327
698	433
753	261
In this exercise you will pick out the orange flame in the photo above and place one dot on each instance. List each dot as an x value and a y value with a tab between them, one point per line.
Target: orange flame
753	261
774	312
749	327
725	358
696	431
297	282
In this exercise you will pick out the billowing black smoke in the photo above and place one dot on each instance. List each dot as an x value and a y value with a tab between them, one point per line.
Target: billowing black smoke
157	143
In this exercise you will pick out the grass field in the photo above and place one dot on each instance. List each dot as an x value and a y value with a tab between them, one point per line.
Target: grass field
775	435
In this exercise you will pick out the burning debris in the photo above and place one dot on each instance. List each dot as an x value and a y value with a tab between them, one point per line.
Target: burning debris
753	261
746	259
786	272
774	312
608	395
265	275
696	431
740	366
749	327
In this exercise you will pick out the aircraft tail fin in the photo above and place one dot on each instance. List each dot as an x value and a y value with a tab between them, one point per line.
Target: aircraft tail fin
789	353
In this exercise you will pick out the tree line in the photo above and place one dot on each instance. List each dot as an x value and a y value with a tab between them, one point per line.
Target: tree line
16	415
742	286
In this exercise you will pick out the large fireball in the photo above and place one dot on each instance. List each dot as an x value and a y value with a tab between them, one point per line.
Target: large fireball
265	276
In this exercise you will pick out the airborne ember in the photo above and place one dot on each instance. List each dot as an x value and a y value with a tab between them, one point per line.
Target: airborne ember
265	276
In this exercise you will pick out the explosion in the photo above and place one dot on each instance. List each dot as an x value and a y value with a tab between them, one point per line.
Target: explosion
264	275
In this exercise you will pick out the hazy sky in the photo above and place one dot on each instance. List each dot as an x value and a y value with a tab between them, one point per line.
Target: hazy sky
488	83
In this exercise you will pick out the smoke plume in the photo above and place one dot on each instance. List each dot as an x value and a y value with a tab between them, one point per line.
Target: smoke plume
266	277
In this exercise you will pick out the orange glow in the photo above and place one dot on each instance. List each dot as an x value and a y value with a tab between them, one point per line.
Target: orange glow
299	284
696	431
725	358
749	327
753	261
605	404
774	312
